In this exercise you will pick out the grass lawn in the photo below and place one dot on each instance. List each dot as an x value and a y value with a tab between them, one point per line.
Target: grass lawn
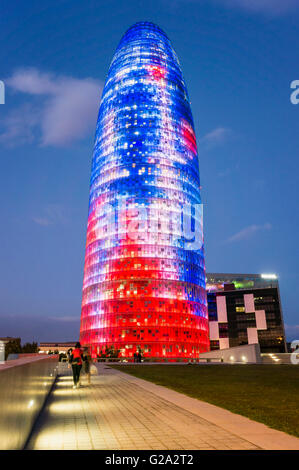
265	393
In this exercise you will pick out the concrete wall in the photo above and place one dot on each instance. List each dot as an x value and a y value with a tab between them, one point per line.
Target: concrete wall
24	386
280	358
249	353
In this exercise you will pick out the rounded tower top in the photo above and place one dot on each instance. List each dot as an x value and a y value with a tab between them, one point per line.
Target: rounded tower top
146	39
143	28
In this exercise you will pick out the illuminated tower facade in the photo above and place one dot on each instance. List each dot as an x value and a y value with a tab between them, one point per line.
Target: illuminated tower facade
144	275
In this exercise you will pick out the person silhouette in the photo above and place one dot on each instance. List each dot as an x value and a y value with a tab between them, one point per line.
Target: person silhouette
76	361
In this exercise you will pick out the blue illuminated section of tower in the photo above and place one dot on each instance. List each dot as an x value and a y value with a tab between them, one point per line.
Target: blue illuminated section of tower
144	286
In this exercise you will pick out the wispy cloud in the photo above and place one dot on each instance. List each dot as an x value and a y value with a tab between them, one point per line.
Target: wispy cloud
272	7
217	136
40	328
63	110
248	232
20	126
52	214
265	7
224	173
292	332
66	319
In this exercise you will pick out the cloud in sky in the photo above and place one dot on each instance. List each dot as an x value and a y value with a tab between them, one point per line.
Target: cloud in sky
292	332
65	319
248	232
272	7
19	126
52	214
217	136
39	328
268	7
65	111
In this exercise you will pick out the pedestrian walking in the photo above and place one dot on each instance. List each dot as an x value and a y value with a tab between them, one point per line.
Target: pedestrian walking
69	358
87	362
69	354
76	361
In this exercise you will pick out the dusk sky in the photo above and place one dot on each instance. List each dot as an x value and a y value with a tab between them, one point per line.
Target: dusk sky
238	57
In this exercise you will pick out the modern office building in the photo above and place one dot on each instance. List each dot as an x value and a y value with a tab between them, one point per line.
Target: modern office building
245	309
144	282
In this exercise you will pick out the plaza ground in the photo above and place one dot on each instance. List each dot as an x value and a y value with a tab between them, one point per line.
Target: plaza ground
120	411
264	393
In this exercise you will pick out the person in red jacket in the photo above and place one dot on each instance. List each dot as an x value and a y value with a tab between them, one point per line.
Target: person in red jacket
76	361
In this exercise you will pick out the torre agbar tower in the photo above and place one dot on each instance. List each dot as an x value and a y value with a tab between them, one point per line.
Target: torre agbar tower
144	280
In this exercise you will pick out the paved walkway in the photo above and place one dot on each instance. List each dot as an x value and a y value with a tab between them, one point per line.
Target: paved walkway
116	413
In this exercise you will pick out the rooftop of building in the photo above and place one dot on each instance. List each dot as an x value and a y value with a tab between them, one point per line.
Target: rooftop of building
218	281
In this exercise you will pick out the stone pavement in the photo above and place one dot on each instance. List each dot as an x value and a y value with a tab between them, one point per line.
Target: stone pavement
116	413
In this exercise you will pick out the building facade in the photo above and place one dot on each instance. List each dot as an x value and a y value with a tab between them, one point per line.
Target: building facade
245	309
144	282
10	339
53	347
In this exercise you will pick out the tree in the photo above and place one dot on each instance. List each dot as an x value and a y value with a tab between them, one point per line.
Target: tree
13	347
30	348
